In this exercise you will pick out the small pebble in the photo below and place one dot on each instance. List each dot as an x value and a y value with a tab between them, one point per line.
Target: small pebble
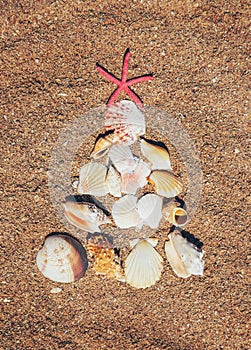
55	290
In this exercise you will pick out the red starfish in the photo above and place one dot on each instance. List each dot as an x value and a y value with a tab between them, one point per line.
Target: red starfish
123	83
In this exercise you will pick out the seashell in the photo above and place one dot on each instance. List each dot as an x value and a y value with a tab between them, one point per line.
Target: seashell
150	209
62	259
122	158
175	214
125	212
184	257
127	121
136	178
92	179
106	259
113	182
103	144
86	216
143	265
166	183
158	156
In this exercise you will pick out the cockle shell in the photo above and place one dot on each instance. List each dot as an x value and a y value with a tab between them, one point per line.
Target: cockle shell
158	156
102	145
125	212
136	178
175	214
62	259
143	265
86	216
92	179
127	121
166	183
184	257
106	259
113	182
122	158
150	209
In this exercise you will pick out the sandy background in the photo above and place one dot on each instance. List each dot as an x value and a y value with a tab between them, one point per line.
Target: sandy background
198	53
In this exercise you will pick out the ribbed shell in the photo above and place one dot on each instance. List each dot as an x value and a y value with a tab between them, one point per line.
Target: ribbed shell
143	265
184	257
122	158
125	213
150	209
113	182
158	156
62	259
92	179
166	183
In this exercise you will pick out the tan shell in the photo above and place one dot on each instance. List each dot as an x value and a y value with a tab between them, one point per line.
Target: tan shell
175	214
158	156
166	183
102	146
62	259
106	261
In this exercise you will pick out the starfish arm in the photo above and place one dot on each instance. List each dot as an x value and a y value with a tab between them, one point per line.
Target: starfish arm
108	75
134	96
139	79
125	65
114	95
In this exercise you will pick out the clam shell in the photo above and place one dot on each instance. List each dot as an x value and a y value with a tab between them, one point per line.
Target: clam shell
158	156
92	179
184	257
102	146
175	214
85	216
127	121
125	212
113	182
62	259
143	265
122	158
106	260
150	209
166	183
135	179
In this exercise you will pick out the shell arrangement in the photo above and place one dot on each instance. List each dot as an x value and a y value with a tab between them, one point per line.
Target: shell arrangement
123	176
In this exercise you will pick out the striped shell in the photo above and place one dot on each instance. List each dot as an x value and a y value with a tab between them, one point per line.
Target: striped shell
92	179
166	183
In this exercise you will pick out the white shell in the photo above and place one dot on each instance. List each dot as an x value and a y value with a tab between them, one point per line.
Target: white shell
158	156
127	121
184	257
122	158
175	214
166	183
92	179
125	213
113	182
143	265
150	209
85	216
136	178
62	259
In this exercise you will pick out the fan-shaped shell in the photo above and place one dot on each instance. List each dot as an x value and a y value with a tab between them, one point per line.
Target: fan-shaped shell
158	156
62	259
102	146
86	216
175	214
127	121
135	179
113	182
122	158
166	183
92	179
125	213
143	265
184	257
150	209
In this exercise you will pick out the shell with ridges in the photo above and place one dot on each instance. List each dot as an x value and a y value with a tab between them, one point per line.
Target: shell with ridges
143	265
150	209
125	213
158	156
62	259
166	183
122	158
113	182
92	179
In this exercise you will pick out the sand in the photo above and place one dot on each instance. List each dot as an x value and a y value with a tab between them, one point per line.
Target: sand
198	53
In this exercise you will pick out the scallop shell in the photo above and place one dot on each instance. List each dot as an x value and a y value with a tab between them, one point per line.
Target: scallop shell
106	259
125	212
150	209
127	121
92	179
184	257
122	158
175	214
102	145
86	216
113	182
166	183
135	179
143	265
158	156
62	259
